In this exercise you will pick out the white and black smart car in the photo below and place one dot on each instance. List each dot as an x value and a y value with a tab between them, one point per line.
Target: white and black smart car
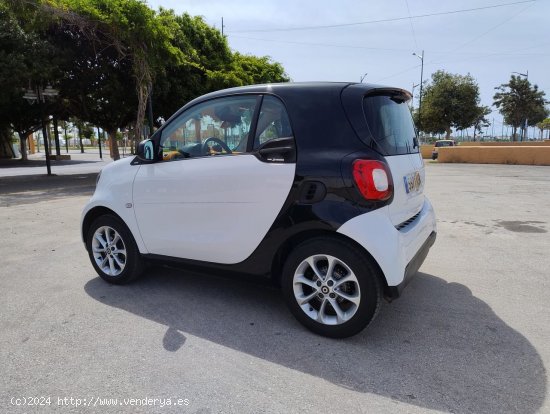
318	185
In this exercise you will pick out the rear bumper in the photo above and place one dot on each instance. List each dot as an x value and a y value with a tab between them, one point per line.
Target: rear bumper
393	292
399	253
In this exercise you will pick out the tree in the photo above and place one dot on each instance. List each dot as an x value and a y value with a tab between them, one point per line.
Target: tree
134	30
520	103
253	69
481	120
85	130
24	59
210	65
544	125
96	86
104	56
450	101
207	52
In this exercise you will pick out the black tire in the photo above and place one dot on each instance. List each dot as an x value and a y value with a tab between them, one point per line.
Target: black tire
367	276
134	264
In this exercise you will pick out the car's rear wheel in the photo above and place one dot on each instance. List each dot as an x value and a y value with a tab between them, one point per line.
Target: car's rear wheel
331	287
113	250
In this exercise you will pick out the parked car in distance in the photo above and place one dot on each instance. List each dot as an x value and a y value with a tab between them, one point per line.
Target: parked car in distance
319	186
442	143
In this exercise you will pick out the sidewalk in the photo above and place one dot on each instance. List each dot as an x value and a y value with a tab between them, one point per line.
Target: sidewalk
86	163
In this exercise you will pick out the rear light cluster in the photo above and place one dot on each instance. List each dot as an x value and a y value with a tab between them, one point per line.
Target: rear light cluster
373	179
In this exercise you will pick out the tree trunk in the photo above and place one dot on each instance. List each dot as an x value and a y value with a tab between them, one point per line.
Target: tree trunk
6	150
522	135
142	97
144	84
81	144
514	131
448	134
65	136
56	136
113	145
23	140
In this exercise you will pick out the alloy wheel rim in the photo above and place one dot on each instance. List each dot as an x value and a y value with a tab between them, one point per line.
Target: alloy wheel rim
109	251
326	289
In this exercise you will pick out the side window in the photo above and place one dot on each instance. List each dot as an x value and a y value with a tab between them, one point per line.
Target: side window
217	127
273	121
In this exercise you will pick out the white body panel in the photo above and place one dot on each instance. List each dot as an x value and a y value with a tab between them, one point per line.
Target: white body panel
393	249
214	209
114	191
405	205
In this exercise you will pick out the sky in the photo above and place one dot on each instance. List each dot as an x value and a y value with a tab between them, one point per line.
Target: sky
342	40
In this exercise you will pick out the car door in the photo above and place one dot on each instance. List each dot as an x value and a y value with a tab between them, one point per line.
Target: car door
215	196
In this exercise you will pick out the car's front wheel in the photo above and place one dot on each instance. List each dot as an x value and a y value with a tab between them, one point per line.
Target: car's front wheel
113	250
331	287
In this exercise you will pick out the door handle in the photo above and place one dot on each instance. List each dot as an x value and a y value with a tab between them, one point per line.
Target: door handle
275	150
278	150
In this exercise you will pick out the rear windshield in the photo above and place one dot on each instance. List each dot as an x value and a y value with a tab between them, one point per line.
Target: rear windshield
444	143
390	124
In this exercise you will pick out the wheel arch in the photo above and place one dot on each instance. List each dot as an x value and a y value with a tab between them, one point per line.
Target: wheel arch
286	248
93	214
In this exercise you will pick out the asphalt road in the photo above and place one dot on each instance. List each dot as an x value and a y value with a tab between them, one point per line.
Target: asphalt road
469	335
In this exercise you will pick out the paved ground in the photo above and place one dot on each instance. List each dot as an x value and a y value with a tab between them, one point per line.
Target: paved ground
89	162
470	334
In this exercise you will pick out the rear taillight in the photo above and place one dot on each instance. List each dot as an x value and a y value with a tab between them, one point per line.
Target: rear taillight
373	179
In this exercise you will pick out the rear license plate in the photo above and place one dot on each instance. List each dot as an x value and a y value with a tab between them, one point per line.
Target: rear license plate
413	182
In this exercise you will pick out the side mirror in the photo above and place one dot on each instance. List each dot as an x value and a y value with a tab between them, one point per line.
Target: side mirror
146	151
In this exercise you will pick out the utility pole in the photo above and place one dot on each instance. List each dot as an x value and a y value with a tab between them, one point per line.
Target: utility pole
493	131
412	92
421	57
222	26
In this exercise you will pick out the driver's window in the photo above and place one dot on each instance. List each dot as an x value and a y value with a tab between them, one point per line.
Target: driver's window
217	127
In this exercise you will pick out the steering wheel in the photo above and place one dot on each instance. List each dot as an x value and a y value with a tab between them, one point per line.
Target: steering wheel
205	147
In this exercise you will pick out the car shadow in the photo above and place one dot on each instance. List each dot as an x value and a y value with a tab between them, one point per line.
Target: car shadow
437	347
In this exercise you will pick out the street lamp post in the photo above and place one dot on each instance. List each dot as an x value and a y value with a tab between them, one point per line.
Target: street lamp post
65	134
412	92
99	143
524	133
421	57
39	95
